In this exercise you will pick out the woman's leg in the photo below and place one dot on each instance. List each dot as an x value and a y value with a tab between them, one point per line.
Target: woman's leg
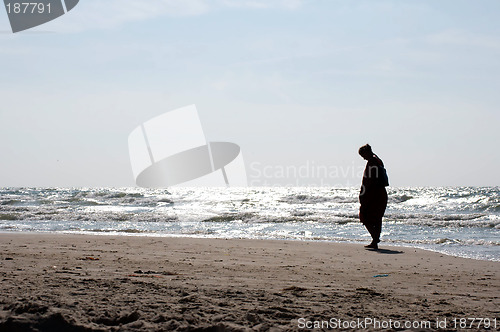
368	220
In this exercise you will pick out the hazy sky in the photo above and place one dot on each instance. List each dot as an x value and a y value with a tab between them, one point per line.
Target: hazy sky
299	85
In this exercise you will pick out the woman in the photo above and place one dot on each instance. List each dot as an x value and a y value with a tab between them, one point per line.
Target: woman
373	196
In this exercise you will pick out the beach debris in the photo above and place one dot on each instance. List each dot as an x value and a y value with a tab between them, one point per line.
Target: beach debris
89	258
380	275
9	258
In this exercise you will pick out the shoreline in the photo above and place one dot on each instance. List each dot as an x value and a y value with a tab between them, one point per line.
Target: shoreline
153	235
133	283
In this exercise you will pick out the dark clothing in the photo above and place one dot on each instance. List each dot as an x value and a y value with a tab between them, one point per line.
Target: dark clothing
373	197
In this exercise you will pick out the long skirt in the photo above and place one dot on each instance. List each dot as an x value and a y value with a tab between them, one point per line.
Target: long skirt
371	212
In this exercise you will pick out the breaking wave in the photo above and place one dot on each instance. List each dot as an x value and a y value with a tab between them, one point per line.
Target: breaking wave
439	217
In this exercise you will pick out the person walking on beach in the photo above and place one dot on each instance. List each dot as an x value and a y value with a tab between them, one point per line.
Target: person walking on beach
373	196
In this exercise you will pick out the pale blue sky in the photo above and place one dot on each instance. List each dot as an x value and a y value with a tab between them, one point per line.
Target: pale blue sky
292	82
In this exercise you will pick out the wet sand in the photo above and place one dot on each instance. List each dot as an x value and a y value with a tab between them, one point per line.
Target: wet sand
58	282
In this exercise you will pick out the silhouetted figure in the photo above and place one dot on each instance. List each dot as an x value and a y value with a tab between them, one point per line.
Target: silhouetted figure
373	196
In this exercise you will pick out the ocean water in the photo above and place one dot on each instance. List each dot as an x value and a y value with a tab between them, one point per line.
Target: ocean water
462	222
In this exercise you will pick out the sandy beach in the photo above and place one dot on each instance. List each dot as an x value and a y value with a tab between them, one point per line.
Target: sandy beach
59	282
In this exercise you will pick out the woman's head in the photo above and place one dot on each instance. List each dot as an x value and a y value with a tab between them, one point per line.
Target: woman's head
366	151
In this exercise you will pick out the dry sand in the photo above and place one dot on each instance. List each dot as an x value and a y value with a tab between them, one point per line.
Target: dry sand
110	283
